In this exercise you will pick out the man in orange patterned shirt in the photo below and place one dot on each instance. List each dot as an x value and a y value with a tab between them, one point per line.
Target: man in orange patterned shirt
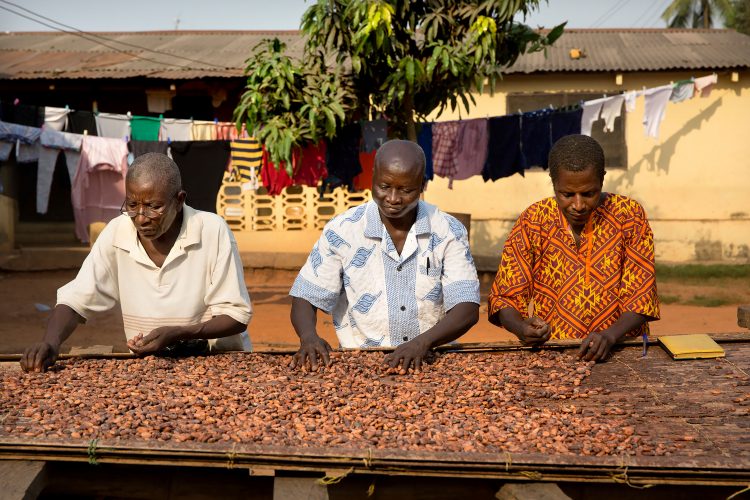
578	265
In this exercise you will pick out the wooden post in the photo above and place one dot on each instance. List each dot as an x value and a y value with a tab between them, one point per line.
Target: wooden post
22	479
743	316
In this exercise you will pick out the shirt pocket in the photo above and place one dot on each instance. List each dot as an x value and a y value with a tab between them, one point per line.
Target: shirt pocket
428	285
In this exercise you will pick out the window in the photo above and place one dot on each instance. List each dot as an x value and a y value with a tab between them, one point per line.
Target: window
613	143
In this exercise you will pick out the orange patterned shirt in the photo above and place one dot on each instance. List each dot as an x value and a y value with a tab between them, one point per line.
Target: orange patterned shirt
578	290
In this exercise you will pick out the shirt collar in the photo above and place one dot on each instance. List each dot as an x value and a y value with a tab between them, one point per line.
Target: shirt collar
374	226
126	236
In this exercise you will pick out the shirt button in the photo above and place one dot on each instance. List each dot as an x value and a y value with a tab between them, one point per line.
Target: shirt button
403	308
398	268
406	338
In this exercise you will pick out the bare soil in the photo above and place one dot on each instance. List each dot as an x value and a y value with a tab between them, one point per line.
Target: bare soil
21	321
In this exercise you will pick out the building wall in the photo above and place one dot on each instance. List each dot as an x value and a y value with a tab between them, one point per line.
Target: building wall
693	181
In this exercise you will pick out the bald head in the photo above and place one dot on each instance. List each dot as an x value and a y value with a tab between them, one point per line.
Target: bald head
402	156
157	169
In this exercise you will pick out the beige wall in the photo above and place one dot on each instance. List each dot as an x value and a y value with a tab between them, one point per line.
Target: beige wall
693	181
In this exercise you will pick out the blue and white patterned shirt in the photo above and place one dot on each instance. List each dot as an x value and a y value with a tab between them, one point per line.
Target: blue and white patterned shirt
376	296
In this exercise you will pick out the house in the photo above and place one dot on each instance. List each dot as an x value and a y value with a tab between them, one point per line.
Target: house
692	180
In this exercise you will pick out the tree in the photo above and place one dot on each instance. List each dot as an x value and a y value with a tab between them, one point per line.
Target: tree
695	13
401	58
739	17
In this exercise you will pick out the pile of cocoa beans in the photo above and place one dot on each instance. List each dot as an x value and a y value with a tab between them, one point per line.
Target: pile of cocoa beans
516	402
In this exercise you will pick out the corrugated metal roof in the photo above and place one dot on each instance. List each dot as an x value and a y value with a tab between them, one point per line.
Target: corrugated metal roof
199	54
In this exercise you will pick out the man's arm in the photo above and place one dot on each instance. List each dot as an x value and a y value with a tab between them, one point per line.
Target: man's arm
159	338
455	323
597	345
312	347
530	331
40	356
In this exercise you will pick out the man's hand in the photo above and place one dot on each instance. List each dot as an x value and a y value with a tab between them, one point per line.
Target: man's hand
39	357
415	352
157	340
534	331
596	347
311	347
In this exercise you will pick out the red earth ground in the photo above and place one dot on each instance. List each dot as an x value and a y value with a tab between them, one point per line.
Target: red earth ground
22	323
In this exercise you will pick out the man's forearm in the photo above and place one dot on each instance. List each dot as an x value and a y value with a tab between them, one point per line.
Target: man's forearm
304	318
457	322
511	320
217	327
627	322
62	322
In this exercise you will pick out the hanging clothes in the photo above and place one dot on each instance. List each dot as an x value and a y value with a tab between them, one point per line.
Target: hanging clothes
145	128
705	84
444	138
139	148
227	131
56	118
682	91
22	114
202	166
343	157
424	139
364	180
535	138
203	130
630	100
374	134
246	160
25	138
471	149
564	122
504	149
655	104
175	129
275	179
82	122
112	125
591	110
311	166
98	188
52	142
611	109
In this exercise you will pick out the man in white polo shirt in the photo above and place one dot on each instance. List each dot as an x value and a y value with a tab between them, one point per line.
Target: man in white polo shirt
175	271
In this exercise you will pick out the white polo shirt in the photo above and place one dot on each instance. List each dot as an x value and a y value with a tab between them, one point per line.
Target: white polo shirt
201	277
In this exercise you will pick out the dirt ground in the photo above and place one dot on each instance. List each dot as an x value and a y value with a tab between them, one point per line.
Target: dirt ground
23	294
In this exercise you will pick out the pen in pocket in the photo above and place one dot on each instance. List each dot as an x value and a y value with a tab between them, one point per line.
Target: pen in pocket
428	265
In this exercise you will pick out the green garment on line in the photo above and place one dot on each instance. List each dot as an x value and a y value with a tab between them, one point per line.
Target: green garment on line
144	128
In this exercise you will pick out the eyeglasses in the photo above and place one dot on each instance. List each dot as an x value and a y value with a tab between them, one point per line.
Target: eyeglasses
145	210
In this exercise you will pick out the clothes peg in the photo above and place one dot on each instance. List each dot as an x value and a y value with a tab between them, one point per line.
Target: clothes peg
216	121
16	101
169	141
66	107
126	138
85	131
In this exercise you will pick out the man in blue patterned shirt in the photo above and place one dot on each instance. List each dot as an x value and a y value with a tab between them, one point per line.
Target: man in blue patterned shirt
393	272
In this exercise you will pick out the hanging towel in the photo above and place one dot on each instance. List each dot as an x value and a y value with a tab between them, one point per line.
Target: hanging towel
682	91
202	166
311	166
471	149
98	188
591	110
276	179
82	122
52	142
655	104
611	109
504	150
246	158
56	118
630	100
145	128
175	129
424	139
564	122
444	137
535	138
112	125
227	131
705	84
374	134
364	180
21	114
139	148
203	130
